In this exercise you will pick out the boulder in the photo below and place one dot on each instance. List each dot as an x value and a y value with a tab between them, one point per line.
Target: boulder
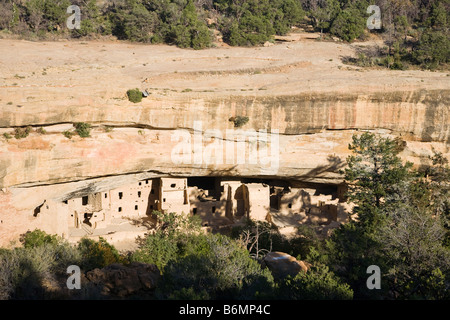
282	265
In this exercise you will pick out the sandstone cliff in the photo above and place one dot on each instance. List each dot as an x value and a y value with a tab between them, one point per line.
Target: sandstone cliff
300	93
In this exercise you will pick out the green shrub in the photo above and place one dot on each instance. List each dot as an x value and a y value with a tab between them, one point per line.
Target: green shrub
41	130
239	121
7	136
134	95
348	25
68	134
25	271
36	238
318	283
8	267
157	250
184	28
83	129
42	258
363	60
252	30
433	49
254	22
20	133
98	254
176	236
222	269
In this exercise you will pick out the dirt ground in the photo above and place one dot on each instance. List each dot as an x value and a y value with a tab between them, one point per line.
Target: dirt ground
60	71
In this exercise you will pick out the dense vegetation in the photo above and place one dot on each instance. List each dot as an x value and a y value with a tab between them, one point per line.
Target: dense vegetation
415	32
400	223
45	258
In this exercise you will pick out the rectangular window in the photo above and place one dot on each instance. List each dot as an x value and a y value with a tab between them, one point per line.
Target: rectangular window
106	195
135	207
84	200
120	195
139	194
120	209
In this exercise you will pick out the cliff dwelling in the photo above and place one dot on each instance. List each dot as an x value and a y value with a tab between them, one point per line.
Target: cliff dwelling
109	183
127	212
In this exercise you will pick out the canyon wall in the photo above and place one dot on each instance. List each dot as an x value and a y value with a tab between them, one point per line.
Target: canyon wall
293	131
312	132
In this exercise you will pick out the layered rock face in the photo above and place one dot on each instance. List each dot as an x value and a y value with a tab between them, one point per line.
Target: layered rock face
312	133
294	131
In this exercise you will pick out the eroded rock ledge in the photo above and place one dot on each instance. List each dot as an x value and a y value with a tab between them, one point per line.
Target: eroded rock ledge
309	128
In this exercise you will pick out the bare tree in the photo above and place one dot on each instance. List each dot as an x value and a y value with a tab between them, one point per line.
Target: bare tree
250	240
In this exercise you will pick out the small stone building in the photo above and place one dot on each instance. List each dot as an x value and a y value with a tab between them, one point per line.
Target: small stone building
229	201
100	210
170	195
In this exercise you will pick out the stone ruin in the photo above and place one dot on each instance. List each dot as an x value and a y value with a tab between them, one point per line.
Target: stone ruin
122	213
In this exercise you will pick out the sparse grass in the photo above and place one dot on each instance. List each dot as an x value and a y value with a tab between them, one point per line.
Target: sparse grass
187	90
9	103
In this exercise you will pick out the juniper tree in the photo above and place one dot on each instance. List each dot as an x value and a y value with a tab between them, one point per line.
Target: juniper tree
393	224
